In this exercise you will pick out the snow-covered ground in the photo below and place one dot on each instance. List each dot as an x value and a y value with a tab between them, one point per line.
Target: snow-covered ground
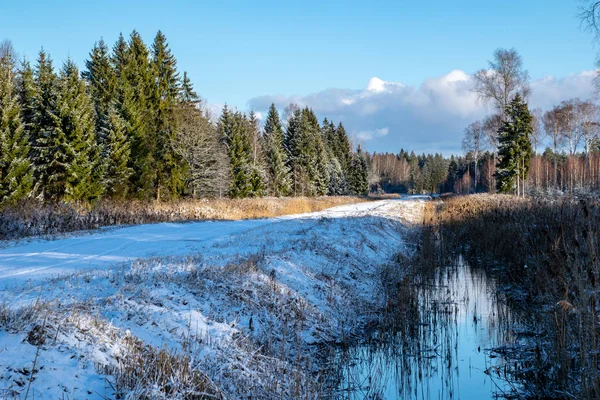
239	302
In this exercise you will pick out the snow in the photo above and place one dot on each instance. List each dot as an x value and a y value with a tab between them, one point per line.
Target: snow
301	279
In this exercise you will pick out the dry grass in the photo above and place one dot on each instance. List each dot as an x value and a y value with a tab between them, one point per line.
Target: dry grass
545	254
147	372
384	196
34	219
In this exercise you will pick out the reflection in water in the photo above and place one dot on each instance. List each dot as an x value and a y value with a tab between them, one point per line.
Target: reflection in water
439	346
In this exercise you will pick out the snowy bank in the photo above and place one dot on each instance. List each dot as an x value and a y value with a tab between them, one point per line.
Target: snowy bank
220	309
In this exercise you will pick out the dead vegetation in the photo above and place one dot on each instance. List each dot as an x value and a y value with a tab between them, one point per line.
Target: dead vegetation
34	219
544	253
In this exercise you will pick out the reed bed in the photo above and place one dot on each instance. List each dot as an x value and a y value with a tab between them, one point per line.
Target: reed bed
545	255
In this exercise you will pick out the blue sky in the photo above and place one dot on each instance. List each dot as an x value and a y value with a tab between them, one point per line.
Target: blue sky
236	51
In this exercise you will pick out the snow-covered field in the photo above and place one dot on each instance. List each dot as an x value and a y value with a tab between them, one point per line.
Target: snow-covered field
225	309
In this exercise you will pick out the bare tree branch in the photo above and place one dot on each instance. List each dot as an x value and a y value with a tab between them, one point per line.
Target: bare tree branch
502	80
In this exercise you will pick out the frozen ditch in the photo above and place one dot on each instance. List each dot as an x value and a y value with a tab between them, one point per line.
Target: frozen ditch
217	309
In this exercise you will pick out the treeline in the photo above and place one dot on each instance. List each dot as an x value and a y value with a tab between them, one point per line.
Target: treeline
503	147
299	157
571	162
130	126
410	173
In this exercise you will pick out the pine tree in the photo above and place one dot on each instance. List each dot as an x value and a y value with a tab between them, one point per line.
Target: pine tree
16	173
280	182
514	153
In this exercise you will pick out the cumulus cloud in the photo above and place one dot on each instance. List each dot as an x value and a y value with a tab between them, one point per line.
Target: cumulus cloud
387	116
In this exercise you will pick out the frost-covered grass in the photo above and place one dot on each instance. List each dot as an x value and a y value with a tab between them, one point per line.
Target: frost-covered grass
35	219
248	313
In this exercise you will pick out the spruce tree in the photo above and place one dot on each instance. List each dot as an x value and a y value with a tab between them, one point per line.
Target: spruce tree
358	180
279	172
78	174
258	179
314	154
169	165
187	95
119	57
44	131
452	175
101	78
135	85
293	140
337	179
115	154
232	128
514	153
343	147
16	173
27	92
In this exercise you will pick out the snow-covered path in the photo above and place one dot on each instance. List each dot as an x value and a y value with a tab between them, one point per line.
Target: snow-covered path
29	262
264	291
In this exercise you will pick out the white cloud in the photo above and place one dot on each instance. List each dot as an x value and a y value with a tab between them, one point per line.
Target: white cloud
376	85
427	118
370	135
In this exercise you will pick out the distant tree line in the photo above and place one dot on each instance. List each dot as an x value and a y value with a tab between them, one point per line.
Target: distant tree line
409	173
131	126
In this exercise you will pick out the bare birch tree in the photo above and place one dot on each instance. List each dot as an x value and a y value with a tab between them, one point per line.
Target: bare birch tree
588	118
504	77
536	137
474	143
491	125
571	124
197	141
552	122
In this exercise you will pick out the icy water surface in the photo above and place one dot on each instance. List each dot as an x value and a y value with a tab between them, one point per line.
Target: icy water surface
440	348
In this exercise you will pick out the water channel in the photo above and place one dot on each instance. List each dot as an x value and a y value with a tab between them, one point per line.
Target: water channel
442	347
